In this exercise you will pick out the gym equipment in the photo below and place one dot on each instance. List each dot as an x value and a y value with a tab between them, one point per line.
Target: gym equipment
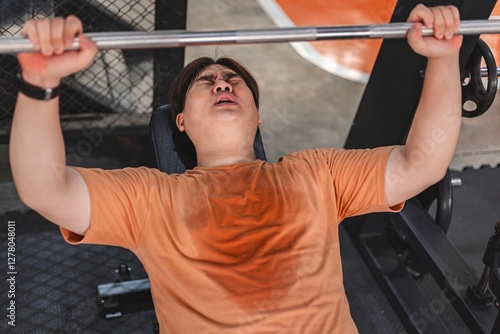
480	294
124	296
383	118
473	89
169	39
474	93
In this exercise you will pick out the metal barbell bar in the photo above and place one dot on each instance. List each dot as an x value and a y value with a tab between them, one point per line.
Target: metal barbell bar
170	38
484	72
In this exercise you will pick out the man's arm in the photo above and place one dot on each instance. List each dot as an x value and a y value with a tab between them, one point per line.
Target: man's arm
37	152
433	136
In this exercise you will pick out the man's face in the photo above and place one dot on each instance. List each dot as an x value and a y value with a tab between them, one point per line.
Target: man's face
218	99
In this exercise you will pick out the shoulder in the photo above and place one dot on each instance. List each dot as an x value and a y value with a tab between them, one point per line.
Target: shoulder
338	156
123	175
138	171
312	161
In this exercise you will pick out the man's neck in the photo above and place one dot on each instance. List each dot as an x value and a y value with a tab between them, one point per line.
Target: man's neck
224	157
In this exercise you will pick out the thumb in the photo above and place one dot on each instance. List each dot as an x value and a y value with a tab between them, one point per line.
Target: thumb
415	38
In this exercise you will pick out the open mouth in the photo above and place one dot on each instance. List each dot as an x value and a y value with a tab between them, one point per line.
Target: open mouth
224	100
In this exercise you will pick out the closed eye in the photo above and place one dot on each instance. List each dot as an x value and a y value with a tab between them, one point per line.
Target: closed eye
234	81
206	79
231	78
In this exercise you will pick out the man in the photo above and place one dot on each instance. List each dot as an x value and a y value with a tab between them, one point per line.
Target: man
235	245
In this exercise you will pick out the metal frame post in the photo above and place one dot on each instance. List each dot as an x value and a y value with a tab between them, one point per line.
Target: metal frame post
383	118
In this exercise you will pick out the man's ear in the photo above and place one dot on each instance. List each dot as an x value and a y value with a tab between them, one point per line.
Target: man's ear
179	121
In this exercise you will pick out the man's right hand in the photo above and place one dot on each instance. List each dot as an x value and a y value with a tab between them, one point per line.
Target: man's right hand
37	151
47	67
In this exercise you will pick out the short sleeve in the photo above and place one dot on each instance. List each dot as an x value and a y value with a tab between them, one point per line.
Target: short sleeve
119	206
359	180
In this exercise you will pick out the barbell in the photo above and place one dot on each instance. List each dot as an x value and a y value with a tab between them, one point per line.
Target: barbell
473	91
171	38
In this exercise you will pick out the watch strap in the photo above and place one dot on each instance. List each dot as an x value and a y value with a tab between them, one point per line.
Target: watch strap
38	93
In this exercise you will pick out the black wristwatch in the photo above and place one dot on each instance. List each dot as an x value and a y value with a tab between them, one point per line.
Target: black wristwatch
37	93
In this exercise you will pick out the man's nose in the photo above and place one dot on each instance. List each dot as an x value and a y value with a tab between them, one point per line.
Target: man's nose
222	85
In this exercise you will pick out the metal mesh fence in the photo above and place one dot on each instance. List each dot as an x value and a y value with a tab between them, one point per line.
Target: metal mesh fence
118	87
116	93
55	287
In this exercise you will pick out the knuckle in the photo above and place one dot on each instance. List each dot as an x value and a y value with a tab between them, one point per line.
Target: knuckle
57	20
30	23
28	27
73	20
439	19
43	22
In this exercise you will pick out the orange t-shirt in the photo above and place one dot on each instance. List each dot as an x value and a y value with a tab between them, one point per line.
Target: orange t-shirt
247	248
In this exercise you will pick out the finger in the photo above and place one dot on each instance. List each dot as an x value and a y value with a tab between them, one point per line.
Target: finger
415	13
57	30
72	27
44	35
449	24
422	14
439	23
415	37
29	30
456	19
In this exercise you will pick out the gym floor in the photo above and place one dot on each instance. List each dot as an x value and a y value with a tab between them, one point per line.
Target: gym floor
302	106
